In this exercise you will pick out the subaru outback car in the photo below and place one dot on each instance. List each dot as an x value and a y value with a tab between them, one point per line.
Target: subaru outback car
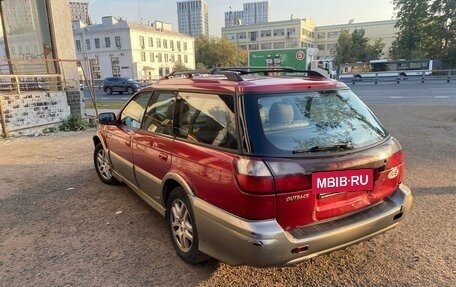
256	167
121	85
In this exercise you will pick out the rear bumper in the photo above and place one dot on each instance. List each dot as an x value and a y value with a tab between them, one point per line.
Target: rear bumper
237	241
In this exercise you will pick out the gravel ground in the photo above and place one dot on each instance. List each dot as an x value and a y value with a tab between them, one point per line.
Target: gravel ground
60	226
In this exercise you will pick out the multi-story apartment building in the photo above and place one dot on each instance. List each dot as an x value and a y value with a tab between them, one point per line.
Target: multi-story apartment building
193	18
253	13
303	33
294	33
326	36
80	11
126	49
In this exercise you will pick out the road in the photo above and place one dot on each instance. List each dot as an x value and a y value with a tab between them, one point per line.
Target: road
408	91
60	226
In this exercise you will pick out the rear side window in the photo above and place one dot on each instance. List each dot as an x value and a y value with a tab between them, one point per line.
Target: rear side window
207	118
310	122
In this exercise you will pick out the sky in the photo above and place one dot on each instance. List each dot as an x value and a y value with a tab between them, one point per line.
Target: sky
323	12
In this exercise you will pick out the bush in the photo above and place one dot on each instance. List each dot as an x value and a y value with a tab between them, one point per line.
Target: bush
74	123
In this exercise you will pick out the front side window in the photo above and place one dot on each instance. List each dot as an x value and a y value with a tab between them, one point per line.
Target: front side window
309	122
159	117
133	113
208	119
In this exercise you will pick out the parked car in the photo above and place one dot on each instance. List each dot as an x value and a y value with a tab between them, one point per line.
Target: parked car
256	170
121	85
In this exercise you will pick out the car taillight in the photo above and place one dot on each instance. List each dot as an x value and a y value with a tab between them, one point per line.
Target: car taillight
290	176
395	160
253	176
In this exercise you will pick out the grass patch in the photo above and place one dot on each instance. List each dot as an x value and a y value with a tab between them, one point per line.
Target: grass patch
108	105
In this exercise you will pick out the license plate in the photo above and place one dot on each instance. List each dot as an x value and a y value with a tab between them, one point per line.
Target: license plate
342	181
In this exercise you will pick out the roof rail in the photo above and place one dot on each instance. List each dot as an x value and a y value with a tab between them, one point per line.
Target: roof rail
234	73
190	74
268	70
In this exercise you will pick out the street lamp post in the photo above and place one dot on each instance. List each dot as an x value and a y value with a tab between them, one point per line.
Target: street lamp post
237	45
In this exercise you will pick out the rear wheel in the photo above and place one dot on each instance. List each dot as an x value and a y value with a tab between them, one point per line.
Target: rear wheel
182	228
108	91
103	166
130	90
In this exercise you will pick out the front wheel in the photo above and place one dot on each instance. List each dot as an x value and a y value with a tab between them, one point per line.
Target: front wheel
130	90
108	91
182	228
103	166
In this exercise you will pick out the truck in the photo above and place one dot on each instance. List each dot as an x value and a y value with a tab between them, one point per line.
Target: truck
299	59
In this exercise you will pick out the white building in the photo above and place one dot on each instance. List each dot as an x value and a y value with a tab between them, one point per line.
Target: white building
253	13
139	51
294	33
303	33
327	36
193	18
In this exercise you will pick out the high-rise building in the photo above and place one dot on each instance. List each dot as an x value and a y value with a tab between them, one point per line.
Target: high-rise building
80	11
253	13
193	18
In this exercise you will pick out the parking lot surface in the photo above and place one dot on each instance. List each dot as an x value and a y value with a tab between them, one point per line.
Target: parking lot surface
60	226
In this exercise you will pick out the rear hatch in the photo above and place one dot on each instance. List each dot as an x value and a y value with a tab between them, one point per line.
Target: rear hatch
329	156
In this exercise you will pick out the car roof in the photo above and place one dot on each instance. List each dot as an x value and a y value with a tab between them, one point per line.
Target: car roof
233	80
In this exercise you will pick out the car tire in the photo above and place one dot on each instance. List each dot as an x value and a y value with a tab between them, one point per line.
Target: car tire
108	91
130	91
103	166
403	76
182	227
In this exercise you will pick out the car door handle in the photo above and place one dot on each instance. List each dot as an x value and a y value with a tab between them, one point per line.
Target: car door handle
127	143
163	157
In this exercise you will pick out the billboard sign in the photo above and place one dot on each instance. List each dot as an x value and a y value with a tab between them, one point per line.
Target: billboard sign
295	58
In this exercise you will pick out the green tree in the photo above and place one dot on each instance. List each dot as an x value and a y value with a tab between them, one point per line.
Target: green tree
413	25
427	29
443	21
343	48
217	52
355	47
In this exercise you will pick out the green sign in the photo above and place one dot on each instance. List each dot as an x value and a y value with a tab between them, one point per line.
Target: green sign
295	58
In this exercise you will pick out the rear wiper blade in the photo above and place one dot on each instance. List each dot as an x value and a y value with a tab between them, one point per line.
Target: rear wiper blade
333	147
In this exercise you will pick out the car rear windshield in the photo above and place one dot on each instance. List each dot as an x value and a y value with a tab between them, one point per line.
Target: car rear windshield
310	123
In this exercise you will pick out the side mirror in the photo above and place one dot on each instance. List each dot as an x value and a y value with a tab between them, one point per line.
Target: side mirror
107	118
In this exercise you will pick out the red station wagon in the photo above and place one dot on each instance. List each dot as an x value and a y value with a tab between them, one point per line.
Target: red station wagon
256	167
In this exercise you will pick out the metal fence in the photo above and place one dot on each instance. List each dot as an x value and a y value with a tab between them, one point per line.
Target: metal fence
442	76
18	75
